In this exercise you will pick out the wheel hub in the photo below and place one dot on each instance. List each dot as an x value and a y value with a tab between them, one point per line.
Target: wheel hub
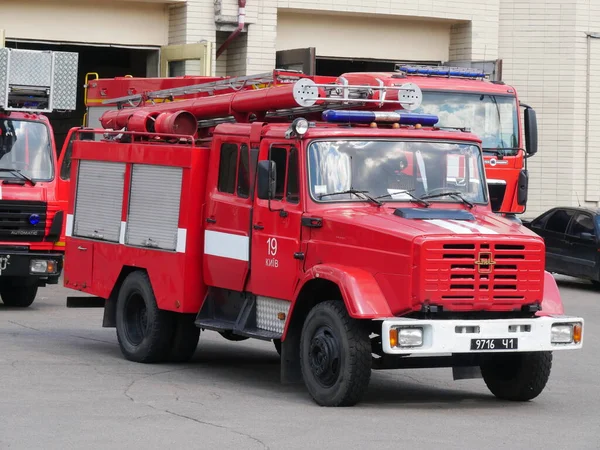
324	356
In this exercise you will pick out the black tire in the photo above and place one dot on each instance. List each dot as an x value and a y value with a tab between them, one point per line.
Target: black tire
228	334
18	295
277	344
335	355
517	376
185	338
144	332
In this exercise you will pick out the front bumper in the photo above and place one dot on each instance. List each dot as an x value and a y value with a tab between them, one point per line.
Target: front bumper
455	336
18	264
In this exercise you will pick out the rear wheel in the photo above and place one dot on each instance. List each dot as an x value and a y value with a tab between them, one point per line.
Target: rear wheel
144	332
185	338
335	355
18	293
517	376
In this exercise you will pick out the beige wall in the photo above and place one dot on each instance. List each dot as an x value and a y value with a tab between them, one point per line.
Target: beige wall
471	31
124	23
371	37
544	49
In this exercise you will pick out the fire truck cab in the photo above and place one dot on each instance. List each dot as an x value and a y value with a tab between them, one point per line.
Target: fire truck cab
33	195
363	240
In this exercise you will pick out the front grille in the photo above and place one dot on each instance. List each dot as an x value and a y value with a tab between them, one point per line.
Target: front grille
455	274
15	224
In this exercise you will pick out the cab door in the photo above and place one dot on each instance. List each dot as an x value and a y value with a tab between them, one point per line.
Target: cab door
276	226
227	215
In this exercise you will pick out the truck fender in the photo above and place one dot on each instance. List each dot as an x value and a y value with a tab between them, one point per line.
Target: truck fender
360	291
551	302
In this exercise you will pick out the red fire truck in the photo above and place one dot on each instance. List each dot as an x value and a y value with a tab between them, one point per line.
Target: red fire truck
342	235
461	98
33	196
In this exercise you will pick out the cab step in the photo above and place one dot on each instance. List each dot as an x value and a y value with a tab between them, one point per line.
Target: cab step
243	314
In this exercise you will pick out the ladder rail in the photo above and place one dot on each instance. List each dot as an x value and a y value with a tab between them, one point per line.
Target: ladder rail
211	87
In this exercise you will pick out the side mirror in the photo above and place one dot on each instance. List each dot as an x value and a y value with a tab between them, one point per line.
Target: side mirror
267	179
531	134
587	237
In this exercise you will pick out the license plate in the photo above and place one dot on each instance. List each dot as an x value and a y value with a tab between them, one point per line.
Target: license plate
495	344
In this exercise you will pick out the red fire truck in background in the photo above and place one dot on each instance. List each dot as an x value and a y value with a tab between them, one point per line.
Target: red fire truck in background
33	197
304	214
461	98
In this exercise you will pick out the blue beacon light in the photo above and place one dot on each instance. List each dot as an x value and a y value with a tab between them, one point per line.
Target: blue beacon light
443	71
34	219
379	116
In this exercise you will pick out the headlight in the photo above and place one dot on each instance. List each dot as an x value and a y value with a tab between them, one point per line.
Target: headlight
566	333
406	337
42	266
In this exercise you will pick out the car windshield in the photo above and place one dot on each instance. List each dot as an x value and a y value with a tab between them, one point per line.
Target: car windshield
387	168
492	118
25	147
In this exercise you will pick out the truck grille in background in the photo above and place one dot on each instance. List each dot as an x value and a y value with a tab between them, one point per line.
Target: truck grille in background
15	224
451	274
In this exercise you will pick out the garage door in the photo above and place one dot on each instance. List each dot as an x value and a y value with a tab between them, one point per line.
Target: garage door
123	23
355	37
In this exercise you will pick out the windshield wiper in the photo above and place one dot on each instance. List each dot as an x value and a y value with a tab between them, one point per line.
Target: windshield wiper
365	194
414	198
17	172
451	194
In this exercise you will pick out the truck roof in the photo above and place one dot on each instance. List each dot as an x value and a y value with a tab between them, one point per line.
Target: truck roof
326	130
436	82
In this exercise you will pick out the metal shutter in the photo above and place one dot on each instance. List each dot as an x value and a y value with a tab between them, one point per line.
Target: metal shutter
154	206
99	200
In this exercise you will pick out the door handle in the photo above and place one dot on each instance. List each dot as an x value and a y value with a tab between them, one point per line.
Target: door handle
258	226
83	249
211	220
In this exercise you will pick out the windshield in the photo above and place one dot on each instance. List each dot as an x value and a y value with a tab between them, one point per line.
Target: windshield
386	168
25	146
492	118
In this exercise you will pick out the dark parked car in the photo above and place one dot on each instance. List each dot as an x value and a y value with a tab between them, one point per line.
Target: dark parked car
572	244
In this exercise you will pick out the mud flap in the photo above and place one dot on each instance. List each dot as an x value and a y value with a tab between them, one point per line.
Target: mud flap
466	373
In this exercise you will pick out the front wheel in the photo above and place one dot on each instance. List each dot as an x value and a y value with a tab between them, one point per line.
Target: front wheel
335	355
517	376
18	294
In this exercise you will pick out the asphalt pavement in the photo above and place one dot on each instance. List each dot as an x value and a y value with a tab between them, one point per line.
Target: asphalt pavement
65	385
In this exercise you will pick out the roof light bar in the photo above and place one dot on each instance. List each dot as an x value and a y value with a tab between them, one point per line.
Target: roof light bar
379	116
442	71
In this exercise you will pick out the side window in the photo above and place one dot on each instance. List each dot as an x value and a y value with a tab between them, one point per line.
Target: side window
227	168
541	222
558	222
279	156
243	178
293	191
582	223
65	168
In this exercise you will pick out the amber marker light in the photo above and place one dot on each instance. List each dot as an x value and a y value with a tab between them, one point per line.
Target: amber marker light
577	330
393	337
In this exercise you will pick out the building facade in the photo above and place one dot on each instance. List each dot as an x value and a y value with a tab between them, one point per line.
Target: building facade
549	50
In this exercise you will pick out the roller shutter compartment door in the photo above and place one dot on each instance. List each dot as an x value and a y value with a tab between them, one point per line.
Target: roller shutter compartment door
99	200
154	206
